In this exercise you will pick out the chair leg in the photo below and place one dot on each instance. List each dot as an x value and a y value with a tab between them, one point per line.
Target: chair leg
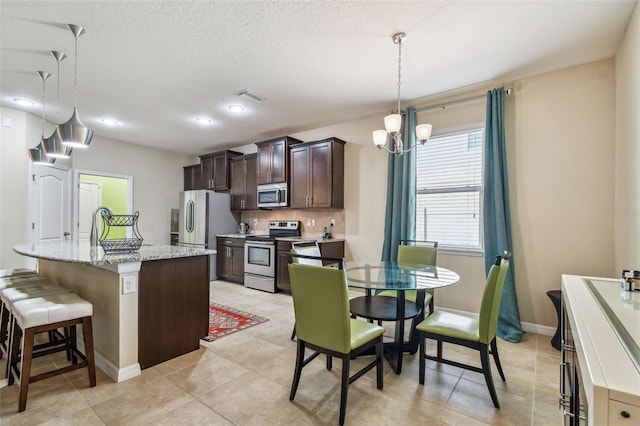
496	358
423	356
379	364
298	371
486	369
439	349
344	388
293	333
329	362
70	335
25	367
87	331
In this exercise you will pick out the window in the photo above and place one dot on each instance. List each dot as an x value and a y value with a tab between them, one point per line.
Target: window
449	190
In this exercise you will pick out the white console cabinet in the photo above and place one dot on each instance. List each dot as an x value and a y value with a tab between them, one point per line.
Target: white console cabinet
600	382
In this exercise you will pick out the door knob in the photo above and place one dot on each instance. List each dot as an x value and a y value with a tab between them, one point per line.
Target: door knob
66	235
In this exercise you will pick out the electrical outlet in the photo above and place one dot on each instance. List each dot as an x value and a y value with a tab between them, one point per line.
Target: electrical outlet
255	222
129	284
308	221
313	222
333	222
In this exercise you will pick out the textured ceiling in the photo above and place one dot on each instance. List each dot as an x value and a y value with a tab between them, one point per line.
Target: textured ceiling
156	65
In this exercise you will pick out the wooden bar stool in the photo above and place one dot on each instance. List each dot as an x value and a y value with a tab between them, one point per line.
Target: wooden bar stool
31	316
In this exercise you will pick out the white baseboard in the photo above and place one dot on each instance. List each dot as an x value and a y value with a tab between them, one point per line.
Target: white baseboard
117	374
526	326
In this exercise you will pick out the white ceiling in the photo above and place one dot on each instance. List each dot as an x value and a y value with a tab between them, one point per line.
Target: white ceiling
156	65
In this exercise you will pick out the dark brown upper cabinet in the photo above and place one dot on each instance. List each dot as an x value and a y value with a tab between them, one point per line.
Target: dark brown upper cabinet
317	174
215	171
273	159
192	177
243	183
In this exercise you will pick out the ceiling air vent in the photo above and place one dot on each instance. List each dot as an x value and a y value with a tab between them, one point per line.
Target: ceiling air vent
251	95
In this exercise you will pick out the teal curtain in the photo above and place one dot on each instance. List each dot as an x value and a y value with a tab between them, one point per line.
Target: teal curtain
400	216
497	220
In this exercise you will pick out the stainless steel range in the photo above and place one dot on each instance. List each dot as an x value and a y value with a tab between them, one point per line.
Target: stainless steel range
260	255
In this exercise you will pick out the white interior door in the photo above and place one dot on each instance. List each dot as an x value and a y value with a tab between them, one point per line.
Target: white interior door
51	220
89	198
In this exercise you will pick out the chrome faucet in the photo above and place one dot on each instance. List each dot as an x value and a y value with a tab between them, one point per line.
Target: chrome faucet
93	238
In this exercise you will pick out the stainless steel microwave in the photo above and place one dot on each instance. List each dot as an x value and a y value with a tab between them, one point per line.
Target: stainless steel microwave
273	195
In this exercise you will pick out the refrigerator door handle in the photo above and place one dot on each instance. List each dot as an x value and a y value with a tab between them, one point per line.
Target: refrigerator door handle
189	216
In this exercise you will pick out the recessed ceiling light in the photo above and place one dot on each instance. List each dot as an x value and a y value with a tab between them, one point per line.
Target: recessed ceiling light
24	102
110	121
204	120
235	108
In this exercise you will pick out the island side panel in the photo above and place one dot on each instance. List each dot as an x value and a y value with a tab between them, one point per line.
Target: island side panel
173	308
113	313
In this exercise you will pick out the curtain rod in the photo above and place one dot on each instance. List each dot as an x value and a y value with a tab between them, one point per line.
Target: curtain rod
459	101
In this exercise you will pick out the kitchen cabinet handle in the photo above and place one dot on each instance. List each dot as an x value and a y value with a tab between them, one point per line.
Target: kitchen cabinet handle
625	414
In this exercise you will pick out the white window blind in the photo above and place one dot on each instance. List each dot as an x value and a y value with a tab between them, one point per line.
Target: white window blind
449	190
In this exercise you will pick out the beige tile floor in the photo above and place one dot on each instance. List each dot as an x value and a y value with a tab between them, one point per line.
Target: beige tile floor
244	379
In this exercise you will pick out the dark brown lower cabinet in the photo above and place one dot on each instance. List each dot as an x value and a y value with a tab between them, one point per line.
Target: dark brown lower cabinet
173	308
230	259
327	249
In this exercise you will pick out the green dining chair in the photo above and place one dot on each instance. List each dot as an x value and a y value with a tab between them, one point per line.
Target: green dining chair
478	334
421	252
324	325
306	249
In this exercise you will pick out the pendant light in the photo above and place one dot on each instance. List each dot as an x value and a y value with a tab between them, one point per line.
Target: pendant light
37	154
393	122
73	133
53	146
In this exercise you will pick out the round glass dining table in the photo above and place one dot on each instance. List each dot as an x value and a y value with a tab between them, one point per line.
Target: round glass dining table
377	276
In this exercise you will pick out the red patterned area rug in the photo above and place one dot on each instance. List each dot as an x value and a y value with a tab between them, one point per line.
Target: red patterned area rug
224	320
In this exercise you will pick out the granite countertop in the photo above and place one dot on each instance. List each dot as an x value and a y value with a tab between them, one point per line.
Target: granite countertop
67	251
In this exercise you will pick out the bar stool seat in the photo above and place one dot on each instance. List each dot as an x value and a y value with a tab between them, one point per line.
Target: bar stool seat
16	272
14	282
12	294
45	313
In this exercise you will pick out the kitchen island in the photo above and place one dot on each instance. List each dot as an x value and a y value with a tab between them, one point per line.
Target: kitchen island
149	306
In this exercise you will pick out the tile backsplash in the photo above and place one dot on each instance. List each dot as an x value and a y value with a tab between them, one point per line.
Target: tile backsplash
322	219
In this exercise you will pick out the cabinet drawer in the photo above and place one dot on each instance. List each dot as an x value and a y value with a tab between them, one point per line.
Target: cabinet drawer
621	414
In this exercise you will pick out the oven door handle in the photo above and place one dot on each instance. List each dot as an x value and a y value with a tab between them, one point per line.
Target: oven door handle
260	243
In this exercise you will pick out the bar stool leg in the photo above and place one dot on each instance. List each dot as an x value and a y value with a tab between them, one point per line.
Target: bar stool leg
12	358
25	367
87	331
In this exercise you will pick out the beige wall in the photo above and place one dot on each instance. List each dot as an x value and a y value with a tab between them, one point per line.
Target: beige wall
25	132
626	210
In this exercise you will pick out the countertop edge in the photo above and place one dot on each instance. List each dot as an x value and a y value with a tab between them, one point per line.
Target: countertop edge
70	252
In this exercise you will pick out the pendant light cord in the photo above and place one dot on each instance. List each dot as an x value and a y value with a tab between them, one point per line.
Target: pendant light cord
43	81
399	71
58	94
75	83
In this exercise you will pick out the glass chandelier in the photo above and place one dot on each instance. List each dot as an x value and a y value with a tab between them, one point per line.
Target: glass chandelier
393	122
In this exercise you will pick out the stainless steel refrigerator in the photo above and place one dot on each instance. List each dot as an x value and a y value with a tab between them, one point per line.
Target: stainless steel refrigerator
203	215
